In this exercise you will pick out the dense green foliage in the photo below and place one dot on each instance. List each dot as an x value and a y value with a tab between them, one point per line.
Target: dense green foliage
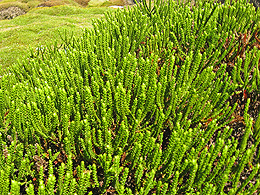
140	104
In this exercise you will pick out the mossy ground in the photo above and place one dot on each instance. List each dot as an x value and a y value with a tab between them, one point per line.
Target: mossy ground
28	5
40	26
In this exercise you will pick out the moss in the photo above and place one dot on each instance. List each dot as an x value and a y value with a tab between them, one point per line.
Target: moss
23	6
41	25
52	3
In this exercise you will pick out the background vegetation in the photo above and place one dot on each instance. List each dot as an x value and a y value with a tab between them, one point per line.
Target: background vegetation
41	26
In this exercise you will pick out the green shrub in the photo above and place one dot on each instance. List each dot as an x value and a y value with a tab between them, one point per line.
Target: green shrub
140	104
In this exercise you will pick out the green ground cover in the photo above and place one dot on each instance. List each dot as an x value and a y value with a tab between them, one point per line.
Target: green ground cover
40	26
158	99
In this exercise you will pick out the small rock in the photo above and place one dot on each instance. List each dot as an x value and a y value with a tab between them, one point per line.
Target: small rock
117	6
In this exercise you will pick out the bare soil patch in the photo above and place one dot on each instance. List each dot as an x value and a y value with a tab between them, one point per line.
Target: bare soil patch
11	12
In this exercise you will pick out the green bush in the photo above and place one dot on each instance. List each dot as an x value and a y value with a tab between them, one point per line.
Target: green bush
140	104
